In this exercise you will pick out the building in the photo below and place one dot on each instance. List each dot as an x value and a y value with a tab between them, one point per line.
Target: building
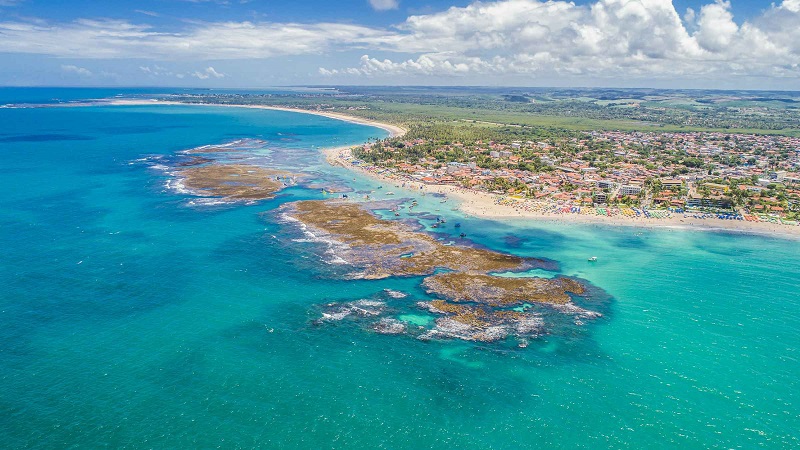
630	189
672	184
606	184
714	201
600	198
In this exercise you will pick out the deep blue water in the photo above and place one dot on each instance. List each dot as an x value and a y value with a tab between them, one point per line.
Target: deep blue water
130	318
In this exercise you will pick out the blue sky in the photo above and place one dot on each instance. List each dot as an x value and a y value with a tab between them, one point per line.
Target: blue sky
359	11
240	43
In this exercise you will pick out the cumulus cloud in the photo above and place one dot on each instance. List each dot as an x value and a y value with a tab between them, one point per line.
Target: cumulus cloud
557	38
72	69
791	5
384	5
608	38
208	73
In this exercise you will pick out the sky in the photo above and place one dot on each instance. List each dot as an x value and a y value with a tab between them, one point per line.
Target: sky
727	44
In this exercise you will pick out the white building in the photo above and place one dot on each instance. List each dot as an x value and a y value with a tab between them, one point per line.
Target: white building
630	189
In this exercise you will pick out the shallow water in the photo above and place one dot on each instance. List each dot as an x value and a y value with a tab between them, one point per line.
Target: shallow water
130	318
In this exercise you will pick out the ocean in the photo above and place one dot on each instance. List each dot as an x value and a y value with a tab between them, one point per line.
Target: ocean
132	315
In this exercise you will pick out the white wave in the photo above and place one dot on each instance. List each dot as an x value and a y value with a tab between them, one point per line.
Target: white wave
176	185
577	311
334	248
395	294
209	202
339	315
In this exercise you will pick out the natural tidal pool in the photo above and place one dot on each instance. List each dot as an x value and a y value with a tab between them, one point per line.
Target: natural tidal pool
136	314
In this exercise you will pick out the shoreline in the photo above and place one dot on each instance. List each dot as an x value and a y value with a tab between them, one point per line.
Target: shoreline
393	130
485	205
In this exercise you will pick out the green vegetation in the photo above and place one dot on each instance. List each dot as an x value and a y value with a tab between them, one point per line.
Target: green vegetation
592	109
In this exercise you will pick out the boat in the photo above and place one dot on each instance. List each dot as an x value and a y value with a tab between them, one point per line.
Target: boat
593	259
463	235
458	224
390	193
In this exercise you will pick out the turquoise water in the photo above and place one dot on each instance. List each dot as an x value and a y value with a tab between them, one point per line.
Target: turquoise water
130	318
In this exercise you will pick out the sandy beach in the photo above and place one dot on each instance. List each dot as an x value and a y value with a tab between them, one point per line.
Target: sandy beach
485	205
393	130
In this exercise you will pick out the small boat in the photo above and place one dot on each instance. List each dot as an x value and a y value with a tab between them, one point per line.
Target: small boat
397	214
390	193
458	224
593	259
463	235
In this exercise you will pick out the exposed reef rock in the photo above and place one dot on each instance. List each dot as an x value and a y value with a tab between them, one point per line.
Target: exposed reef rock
492	290
233	181
383	248
389	326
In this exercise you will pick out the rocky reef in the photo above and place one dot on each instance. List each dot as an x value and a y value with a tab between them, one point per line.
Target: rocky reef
233	181
383	248
501	291
472	304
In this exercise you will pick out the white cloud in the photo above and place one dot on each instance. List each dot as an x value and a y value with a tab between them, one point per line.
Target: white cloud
72	69
207	41
384	5
716	28
689	16
605	39
208	73
156	70
791	5
147	13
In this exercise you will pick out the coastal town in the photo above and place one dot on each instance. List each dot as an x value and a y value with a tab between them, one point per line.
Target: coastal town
744	177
